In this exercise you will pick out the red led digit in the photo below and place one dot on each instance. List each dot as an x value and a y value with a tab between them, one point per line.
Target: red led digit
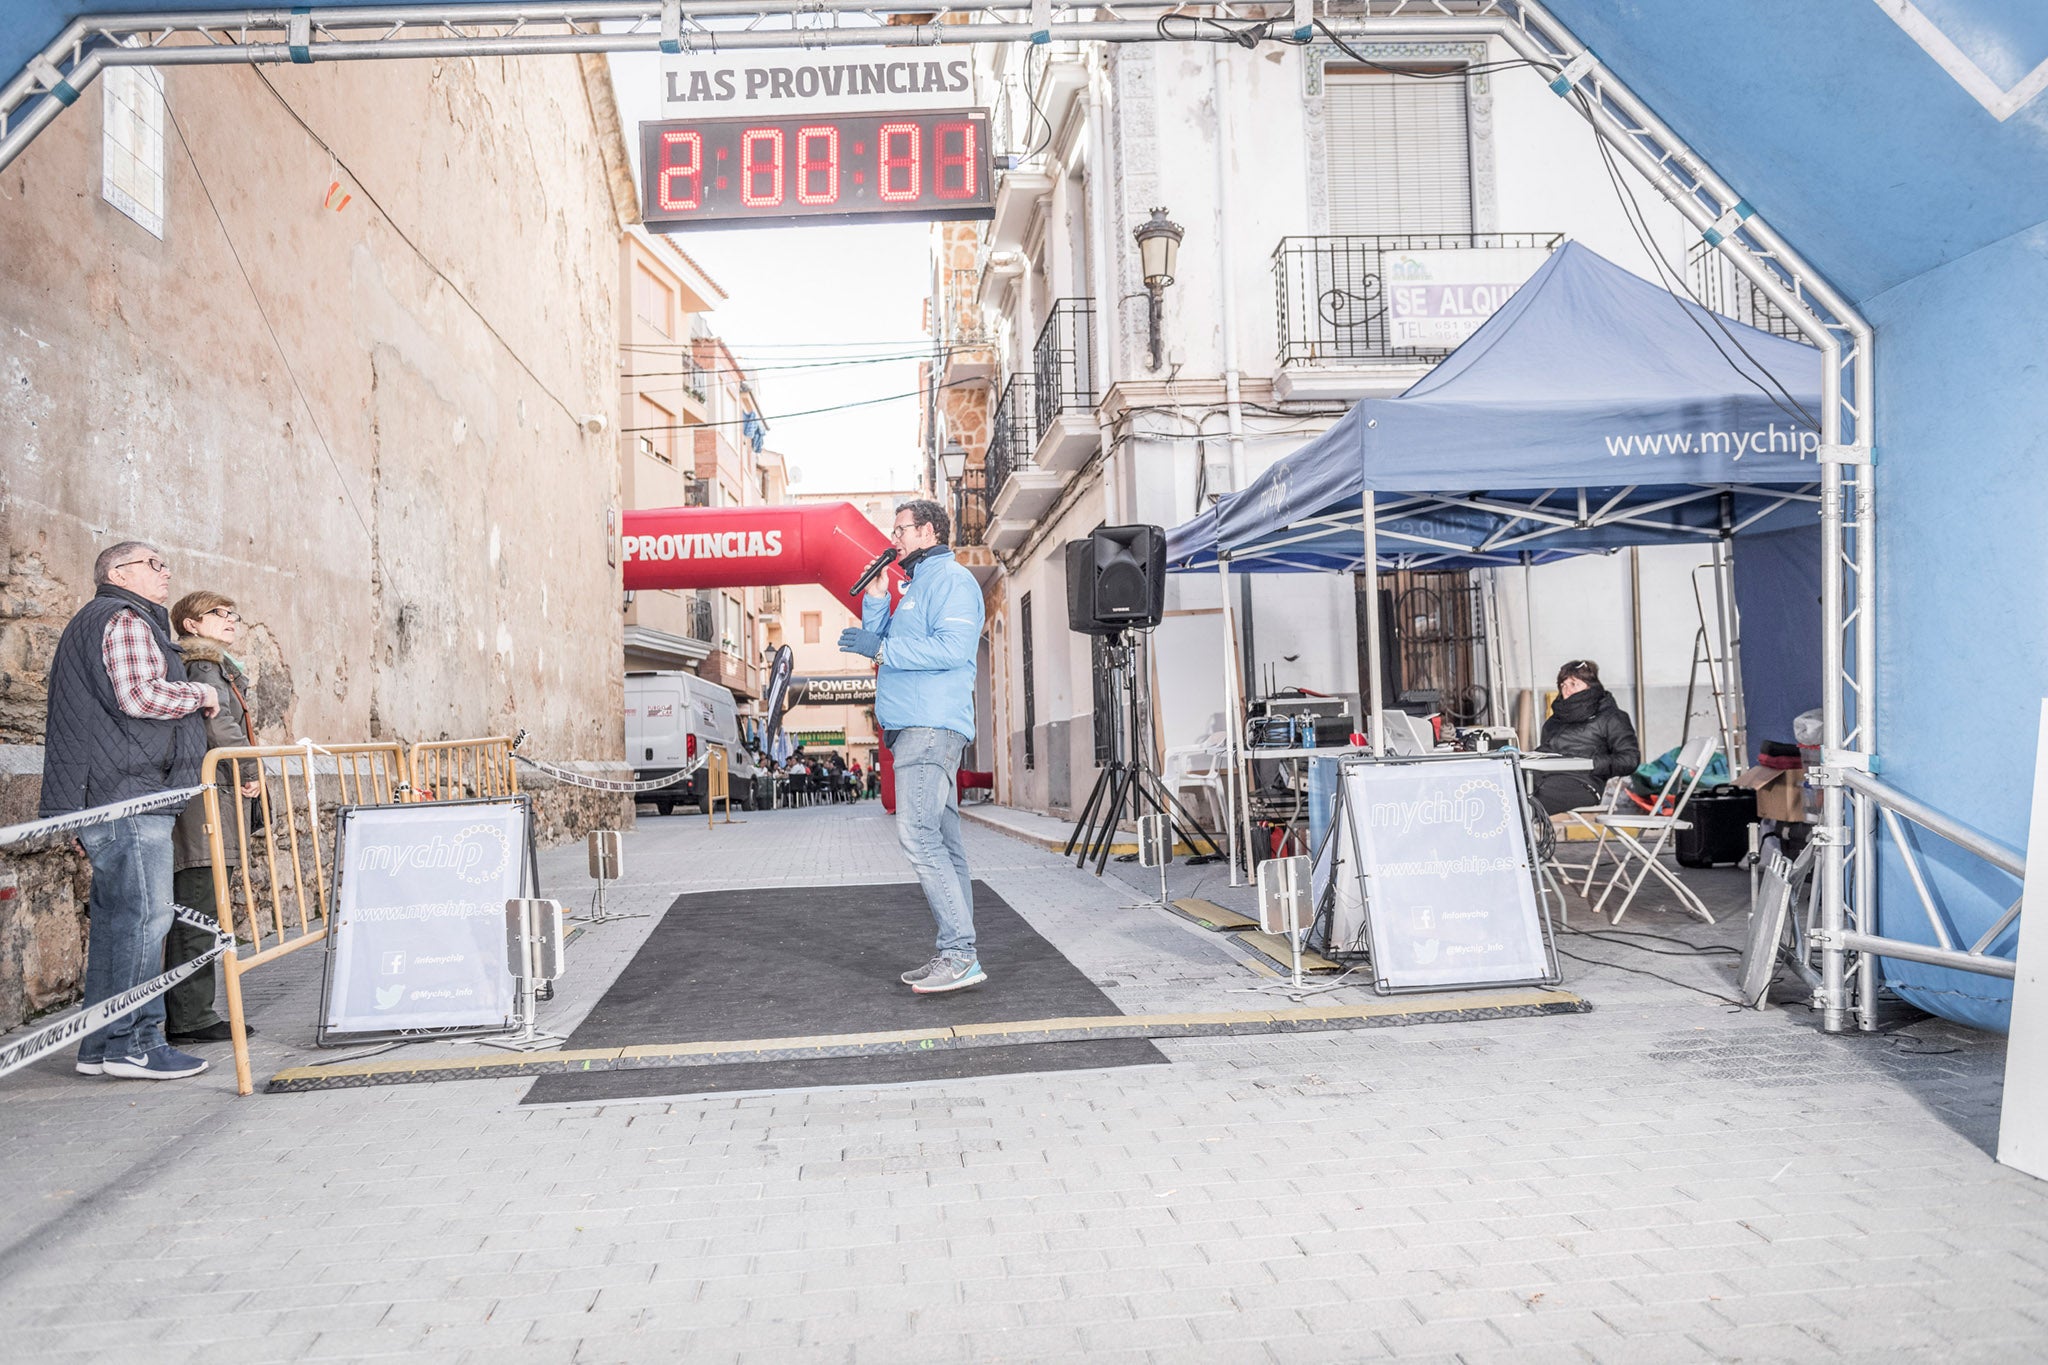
902	168
955	168
677	170
761	180
817	172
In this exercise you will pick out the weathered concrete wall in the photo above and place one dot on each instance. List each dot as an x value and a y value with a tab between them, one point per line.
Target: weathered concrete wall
396	489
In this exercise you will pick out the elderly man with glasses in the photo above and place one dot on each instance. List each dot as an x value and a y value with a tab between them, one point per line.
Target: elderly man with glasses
125	722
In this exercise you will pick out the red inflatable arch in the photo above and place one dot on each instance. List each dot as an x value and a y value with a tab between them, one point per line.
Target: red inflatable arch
747	547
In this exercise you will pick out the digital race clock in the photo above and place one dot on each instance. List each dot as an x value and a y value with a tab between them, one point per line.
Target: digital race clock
911	166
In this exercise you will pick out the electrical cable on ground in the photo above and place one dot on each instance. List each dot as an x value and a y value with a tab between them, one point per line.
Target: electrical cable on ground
1644	971
284	359
1692	950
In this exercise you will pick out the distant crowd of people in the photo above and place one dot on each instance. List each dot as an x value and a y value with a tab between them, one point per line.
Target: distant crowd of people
808	778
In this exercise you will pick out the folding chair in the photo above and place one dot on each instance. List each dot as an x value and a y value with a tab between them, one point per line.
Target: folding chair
1611	799
1627	830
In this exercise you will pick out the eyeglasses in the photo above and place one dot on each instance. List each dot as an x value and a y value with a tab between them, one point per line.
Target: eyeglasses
224	614
156	565
902	529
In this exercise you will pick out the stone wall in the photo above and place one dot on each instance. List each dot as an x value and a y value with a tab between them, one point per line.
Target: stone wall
362	424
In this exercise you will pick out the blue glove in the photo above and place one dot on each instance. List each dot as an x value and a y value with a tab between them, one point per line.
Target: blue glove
854	640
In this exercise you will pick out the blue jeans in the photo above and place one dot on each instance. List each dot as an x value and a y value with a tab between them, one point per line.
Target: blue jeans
130	909
928	826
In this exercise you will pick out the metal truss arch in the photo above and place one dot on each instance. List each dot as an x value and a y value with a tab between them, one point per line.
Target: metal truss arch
1726	221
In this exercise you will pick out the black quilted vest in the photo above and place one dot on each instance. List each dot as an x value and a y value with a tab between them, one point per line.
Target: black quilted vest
93	752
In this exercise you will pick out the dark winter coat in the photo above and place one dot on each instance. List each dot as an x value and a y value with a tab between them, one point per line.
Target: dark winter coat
230	728
1587	725
94	753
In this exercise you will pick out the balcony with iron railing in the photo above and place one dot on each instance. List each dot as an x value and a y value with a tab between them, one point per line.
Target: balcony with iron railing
1019	490
771	601
966	343
1012	432
701	620
970	507
1336	336
1718	286
1064	375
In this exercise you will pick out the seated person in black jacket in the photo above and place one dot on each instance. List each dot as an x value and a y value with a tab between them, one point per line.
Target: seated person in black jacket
1585	723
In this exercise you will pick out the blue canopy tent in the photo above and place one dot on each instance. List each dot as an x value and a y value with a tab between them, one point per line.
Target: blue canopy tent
1592	412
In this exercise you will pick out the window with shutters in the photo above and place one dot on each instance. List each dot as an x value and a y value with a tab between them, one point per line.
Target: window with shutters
132	144
654	303
1030	690
1399	156
812	622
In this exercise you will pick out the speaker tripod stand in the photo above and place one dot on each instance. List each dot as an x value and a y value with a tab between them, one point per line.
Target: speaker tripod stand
1125	785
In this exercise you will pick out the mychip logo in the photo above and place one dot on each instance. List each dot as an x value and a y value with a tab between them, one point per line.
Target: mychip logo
477	855
1479	806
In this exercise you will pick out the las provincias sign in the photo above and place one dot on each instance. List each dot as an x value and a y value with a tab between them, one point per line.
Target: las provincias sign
772	85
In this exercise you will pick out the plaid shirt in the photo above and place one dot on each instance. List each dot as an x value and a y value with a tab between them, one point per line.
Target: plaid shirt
136	666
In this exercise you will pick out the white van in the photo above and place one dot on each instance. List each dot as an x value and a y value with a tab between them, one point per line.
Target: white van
671	718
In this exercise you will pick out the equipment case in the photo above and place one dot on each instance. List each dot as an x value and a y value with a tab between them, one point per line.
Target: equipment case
1720	820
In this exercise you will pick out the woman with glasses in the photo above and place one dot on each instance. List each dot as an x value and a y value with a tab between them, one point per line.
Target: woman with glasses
1585	722
207	624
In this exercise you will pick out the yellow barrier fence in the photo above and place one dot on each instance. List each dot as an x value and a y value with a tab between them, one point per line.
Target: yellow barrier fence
459	769
717	785
273	896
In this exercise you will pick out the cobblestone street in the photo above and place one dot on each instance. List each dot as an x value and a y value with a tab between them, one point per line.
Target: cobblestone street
1666	1178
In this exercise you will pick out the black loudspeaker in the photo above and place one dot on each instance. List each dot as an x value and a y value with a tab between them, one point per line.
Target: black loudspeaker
1116	580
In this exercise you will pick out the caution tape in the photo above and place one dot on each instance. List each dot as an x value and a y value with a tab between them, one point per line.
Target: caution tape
79	819
41	1042
606	784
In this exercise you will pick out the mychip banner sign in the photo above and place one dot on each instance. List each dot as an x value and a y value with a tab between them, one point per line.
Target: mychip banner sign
1450	884
1436	299
418	936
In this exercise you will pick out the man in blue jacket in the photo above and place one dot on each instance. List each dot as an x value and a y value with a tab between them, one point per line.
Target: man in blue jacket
924	701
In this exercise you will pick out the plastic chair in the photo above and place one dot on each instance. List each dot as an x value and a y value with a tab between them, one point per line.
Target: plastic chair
1198	768
1627	830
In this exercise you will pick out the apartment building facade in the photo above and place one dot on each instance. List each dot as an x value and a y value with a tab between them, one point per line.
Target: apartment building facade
1299	176
691	434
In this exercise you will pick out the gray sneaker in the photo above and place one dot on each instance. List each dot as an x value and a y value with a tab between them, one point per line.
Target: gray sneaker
951	974
917	974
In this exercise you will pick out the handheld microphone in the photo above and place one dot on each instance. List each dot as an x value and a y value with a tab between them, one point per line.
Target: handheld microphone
867	575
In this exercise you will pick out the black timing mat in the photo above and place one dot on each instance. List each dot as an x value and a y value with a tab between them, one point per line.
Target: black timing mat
817	961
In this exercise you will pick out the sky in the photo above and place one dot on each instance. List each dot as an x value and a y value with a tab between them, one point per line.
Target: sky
804	302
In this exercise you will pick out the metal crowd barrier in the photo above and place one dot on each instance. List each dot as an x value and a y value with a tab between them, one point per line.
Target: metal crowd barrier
717	785
457	769
274	898
1891	804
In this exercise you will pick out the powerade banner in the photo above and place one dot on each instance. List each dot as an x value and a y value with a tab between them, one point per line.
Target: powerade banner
1449	883
418	938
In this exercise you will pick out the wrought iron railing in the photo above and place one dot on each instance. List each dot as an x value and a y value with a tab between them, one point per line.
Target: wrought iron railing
1331	292
965	327
1063	361
1719	286
970	507
1012	433
771	601
701	622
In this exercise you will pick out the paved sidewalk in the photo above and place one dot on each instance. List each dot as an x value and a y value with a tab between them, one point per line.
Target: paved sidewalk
1664	1179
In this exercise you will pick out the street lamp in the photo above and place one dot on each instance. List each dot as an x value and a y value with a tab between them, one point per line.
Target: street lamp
953	461
1158	250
